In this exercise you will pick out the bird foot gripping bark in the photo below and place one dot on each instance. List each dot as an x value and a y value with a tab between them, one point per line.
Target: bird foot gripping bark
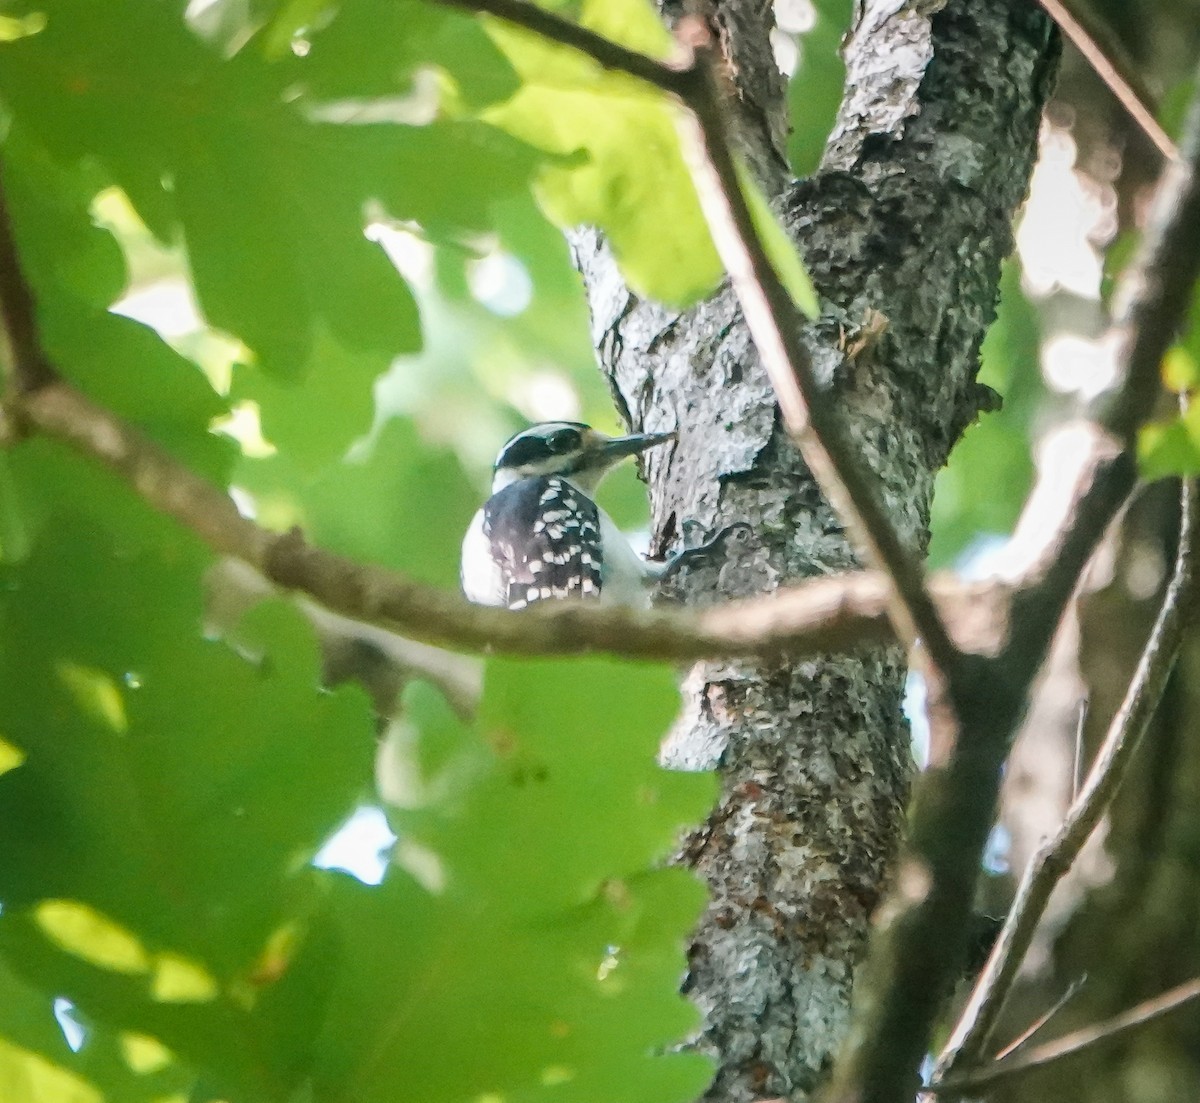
713	552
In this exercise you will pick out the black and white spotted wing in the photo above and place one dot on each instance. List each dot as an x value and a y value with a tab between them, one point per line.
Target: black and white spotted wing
544	535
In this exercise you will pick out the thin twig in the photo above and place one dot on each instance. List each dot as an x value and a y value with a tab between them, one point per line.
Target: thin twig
1146	1012
26	365
978	1019
604	51
1039	1024
1077	752
1111	64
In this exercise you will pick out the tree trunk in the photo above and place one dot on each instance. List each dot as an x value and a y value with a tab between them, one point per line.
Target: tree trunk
910	215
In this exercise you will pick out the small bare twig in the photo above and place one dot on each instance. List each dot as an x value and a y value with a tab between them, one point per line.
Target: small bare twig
1146	1012
1077	750
669	76
970	1037
1039	1024
25	361
382	662
1112	65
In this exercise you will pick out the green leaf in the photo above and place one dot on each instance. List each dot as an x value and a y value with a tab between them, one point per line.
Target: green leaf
1171	447
76	271
28	1076
406	36
542	945
619	165
397	502
155	840
270	183
1180	371
996	451
780	249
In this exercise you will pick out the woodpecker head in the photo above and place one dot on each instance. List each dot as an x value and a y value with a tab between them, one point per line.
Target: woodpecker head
568	448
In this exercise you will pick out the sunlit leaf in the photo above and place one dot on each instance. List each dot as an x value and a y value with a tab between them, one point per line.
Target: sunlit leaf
1180	371
620	165
996	451
141	875
85	932
1171	447
549	918
30	1077
10	757
781	250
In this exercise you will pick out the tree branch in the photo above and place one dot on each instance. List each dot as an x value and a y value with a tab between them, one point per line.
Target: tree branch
605	52
1070	1044
978	1019
1112	65
917	951
25	360
808	413
1152	301
815	617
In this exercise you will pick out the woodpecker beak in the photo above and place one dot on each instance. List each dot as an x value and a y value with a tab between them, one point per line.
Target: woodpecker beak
617	448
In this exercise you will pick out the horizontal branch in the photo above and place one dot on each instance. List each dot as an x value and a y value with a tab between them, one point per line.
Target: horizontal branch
816	617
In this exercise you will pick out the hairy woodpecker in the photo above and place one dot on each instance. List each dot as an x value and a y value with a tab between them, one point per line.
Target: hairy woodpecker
541	535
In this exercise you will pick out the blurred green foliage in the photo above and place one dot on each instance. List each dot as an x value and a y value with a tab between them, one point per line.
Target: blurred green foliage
815	90
980	492
338	217
333	215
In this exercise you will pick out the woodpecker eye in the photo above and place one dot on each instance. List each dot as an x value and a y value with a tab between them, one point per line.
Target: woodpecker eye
563	440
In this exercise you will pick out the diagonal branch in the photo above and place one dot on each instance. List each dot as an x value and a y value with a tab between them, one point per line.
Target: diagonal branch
1152	302
604	51
26	361
1146	1012
970	1037
808	412
1112	65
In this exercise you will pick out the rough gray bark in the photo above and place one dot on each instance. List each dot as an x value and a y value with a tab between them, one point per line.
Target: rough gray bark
910	215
